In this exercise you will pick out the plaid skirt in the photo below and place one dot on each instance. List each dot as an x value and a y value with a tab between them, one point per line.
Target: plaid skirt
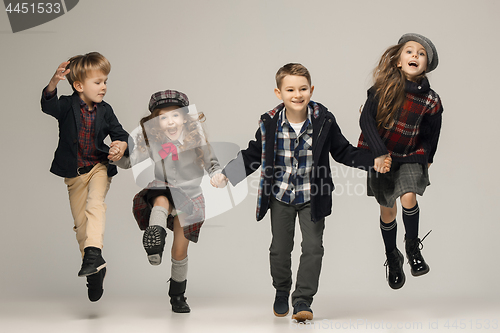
191	210
401	179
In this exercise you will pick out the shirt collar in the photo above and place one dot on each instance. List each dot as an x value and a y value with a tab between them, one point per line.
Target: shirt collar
85	107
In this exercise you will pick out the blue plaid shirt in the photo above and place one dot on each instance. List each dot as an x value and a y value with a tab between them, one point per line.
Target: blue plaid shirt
294	159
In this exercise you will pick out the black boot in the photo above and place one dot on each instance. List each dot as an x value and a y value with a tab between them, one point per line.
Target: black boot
394	263
153	241
415	259
177	299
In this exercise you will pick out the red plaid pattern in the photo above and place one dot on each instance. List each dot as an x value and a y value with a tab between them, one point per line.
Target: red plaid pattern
192	216
87	153
404	140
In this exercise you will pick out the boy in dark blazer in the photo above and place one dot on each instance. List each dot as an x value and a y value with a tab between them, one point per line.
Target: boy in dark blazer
81	157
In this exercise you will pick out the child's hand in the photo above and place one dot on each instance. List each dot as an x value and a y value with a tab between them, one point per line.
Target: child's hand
59	75
219	180
387	164
116	150
382	164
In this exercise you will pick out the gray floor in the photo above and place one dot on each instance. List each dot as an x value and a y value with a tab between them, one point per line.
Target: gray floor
373	313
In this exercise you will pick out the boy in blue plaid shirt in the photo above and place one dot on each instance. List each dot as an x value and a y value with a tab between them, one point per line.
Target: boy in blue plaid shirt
292	147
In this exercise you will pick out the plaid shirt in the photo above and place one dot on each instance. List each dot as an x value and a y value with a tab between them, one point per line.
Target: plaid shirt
87	153
294	159
414	136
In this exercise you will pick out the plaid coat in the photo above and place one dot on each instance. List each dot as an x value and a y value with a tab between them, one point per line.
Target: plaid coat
327	140
414	136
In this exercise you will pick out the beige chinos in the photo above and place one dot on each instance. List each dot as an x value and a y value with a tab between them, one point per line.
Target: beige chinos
86	198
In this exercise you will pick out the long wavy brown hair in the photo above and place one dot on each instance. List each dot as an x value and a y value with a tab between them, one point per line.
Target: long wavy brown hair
194	137
389	83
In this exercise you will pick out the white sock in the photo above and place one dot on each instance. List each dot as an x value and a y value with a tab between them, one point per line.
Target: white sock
159	217
179	269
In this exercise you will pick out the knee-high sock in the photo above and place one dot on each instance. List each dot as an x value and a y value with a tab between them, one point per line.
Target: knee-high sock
159	217
411	219
389	231
179	269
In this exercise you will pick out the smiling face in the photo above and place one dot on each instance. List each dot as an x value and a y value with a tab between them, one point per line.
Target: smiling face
171	121
93	88
413	60
295	92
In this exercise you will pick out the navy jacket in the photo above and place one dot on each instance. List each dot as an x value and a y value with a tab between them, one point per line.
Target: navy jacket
327	140
66	109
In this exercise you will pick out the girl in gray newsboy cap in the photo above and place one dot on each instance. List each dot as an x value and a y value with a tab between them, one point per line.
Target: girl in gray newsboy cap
402	119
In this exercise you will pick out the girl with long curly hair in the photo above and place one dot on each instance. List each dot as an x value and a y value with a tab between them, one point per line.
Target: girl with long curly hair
174	141
402	119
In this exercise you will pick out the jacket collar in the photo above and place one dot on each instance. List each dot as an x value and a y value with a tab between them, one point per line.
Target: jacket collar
315	110
417	88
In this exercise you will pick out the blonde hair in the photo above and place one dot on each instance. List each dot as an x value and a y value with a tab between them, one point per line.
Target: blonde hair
81	65
193	138
389	83
292	69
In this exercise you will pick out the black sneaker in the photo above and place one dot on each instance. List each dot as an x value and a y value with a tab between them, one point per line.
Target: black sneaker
280	306
94	285
302	312
154	242
394	269
92	262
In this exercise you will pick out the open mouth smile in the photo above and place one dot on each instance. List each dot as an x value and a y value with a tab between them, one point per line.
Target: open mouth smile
172	131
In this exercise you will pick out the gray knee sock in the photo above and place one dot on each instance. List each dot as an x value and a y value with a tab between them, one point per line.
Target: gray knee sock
159	217
179	269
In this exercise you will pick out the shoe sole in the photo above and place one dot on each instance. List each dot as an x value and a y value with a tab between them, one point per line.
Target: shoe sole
280	314
303	316
93	272
154	259
152	242
181	311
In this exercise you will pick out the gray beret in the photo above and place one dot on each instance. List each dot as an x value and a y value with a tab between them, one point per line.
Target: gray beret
432	55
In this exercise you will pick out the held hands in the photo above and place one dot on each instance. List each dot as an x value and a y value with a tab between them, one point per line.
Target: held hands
382	164
219	180
59	75
116	150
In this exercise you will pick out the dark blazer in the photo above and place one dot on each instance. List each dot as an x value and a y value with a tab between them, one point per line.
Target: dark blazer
66	109
327	140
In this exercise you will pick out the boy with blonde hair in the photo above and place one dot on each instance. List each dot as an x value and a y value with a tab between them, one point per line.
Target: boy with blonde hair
81	157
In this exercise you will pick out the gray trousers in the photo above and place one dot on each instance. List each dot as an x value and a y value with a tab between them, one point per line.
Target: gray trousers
283	230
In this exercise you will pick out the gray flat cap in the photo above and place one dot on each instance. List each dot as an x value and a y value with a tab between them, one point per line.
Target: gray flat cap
432	55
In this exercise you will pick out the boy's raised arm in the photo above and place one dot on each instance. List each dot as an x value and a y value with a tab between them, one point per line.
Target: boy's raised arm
59	75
